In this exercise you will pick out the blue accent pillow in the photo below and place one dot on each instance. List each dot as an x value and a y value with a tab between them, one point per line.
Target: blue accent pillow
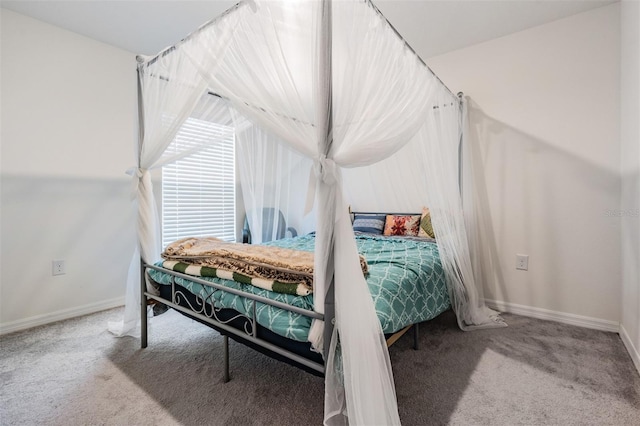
372	224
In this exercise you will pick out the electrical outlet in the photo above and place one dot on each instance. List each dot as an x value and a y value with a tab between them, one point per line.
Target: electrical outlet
522	262
57	267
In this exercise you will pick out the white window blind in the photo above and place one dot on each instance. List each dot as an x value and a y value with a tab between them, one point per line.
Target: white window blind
199	190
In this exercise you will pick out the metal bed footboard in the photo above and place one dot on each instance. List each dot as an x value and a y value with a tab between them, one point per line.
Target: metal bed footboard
249	333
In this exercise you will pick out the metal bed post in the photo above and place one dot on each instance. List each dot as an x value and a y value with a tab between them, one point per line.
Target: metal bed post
325	77
143	306
460	147
329	318
143	283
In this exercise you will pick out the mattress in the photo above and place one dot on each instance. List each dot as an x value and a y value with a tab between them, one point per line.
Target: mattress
406	281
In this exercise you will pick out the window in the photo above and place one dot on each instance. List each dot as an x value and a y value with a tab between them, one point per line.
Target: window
199	190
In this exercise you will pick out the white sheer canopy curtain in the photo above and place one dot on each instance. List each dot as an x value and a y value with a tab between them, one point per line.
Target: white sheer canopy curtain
272	176
170	91
275	74
439	140
425	172
335	82
269	73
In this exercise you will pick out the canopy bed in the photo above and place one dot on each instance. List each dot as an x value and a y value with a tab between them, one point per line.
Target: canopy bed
332	87
404	276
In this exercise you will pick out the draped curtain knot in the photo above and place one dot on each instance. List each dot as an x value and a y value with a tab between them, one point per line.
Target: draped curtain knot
137	173
325	170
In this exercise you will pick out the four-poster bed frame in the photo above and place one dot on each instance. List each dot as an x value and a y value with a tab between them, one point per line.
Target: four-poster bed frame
250	336
416	86
246	329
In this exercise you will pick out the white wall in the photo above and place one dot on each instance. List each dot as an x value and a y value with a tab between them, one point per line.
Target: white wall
545	124
68	128
630	165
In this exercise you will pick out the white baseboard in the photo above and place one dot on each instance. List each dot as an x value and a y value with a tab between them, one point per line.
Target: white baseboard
633	351
23	324
545	314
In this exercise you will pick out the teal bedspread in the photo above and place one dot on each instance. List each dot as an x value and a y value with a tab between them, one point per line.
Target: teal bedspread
406	281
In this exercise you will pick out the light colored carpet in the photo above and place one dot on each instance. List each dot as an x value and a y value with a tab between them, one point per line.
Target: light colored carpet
531	373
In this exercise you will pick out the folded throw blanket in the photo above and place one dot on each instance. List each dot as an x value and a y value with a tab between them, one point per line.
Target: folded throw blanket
298	289
277	264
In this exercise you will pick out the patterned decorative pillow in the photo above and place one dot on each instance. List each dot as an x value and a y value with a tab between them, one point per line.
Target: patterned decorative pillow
373	224
426	229
402	225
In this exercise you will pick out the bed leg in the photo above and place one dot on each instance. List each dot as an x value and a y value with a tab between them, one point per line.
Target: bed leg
225	339
143	327
143	307
415	337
